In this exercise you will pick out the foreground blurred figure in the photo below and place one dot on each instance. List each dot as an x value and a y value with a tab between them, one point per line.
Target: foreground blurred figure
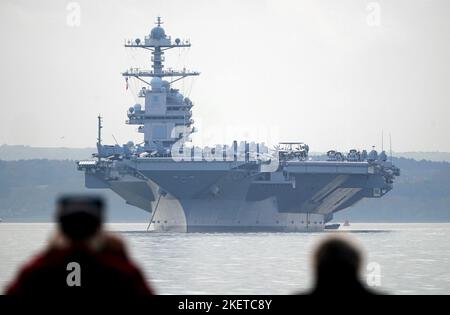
81	258
337	264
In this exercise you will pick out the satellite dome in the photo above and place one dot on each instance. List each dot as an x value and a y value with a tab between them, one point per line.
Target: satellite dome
166	85
131	109
157	33
156	83
373	155
383	156
137	107
179	97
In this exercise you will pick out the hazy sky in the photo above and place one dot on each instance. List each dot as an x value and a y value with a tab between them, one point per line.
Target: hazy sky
331	73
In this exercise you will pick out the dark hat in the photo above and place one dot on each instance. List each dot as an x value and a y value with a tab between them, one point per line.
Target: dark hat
70	204
80	216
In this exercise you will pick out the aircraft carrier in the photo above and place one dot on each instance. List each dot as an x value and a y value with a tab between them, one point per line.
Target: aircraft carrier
243	186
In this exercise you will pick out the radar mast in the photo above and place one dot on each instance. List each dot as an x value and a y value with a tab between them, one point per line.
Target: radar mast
165	108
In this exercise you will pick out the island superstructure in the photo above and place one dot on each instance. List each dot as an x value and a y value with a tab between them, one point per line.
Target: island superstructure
243	186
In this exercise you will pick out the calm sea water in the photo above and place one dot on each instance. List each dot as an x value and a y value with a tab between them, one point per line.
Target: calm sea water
412	258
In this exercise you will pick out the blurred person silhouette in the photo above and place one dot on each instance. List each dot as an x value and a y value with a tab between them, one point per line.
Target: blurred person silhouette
81	257
337	263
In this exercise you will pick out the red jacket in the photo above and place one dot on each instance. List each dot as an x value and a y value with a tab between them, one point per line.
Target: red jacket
105	271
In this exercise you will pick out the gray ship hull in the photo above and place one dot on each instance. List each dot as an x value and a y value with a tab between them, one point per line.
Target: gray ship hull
232	196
